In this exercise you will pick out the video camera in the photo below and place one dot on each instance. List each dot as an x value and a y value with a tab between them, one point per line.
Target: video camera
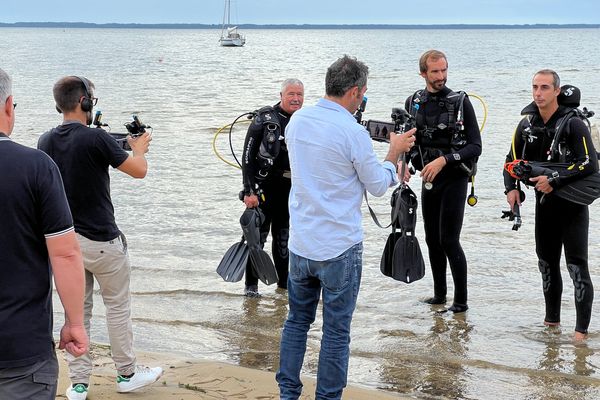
134	128
379	131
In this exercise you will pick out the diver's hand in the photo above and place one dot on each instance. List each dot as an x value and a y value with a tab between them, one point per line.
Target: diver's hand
431	170
513	197
140	144
251	201
407	173
542	184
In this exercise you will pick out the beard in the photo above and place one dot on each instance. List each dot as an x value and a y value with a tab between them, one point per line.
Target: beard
438	85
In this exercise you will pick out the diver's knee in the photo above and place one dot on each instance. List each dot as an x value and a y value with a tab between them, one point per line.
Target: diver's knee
544	268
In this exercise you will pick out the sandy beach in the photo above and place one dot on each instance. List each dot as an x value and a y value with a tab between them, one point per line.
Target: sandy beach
187	379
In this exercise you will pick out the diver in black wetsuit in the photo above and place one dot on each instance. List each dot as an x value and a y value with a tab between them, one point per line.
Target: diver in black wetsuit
447	147
266	177
558	222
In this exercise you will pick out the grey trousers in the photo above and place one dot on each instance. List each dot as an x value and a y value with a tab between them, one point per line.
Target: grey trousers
32	382
108	262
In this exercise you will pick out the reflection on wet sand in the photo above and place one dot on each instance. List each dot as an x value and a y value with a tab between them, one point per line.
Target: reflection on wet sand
440	370
563	368
259	330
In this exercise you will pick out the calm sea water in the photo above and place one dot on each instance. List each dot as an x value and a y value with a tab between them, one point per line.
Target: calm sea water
184	215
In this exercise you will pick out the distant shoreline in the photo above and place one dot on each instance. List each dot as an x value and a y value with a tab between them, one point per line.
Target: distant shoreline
291	26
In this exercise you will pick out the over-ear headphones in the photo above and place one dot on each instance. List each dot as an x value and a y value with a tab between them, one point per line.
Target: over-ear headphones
86	103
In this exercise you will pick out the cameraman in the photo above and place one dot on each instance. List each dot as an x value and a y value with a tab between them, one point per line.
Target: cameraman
447	147
266	177
83	156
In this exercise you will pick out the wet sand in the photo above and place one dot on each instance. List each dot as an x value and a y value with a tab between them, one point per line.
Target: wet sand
187	379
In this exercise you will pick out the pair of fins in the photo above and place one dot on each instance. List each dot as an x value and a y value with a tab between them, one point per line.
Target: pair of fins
402	259
582	191
248	249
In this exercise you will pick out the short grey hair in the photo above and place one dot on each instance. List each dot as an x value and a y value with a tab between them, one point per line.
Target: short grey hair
290	82
555	77
5	86
345	73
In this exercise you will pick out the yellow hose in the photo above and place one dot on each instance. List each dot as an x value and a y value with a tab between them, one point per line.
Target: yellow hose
214	145
471	202
485	112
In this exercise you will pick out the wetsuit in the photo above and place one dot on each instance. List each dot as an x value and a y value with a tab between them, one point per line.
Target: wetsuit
443	205
559	222
275	184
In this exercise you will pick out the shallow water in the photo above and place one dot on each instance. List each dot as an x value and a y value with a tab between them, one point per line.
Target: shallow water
181	219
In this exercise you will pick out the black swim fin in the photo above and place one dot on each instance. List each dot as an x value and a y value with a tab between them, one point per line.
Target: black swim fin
263	266
582	191
402	258
387	259
407	261
251	221
233	264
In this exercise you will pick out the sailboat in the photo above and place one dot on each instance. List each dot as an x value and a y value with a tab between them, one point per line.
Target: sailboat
229	34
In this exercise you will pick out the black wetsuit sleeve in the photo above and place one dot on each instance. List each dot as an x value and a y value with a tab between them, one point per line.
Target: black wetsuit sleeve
473	148
250	165
515	152
584	157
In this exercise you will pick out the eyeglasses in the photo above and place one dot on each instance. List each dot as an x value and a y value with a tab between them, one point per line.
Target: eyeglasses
93	100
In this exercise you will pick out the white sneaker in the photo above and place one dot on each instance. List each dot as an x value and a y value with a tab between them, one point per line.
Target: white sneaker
77	392
142	376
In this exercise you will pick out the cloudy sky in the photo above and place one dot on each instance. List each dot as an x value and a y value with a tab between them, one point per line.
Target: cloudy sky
305	11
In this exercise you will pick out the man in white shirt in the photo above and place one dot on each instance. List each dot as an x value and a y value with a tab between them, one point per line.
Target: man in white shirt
332	162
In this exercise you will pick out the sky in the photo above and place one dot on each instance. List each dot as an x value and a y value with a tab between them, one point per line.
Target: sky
306	11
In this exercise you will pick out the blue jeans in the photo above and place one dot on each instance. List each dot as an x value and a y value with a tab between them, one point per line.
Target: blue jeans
339	278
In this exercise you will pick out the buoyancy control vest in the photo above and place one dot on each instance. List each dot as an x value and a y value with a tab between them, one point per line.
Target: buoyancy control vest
437	134
272	139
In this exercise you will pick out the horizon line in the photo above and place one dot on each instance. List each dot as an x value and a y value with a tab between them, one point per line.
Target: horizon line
290	26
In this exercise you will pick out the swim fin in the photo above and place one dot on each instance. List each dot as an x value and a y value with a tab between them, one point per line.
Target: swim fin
233	264
582	191
251	221
387	259
402	259
407	261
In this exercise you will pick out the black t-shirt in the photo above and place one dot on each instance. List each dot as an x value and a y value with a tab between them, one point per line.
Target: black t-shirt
83	155
33	206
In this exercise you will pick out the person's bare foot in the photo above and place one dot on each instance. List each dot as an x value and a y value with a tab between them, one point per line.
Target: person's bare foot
579	337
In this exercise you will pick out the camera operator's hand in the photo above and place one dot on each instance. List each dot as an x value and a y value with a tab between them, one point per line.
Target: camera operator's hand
400	143
407	173
430	171
140	144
